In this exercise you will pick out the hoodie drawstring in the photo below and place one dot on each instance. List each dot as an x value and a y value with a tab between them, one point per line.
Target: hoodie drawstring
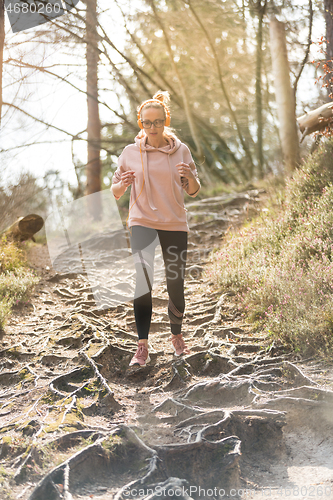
149	196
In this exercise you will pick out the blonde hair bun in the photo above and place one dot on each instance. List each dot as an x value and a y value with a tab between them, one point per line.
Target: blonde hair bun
162	96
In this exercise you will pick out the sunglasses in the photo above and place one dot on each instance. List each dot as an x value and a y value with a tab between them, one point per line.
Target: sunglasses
156	123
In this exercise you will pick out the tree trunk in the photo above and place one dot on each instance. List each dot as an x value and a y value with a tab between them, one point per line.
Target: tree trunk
260	155
328	6
284	96
93	168
24	228
2	44
315	120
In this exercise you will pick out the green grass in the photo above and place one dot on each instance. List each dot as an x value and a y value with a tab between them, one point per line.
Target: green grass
16	279
280	266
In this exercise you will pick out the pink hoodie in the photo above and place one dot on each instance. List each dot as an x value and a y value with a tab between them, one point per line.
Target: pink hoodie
161	202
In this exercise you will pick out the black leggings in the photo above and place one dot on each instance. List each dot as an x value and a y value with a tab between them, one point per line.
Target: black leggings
174	249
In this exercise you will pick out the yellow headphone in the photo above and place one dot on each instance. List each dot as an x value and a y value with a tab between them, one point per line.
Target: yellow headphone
167	112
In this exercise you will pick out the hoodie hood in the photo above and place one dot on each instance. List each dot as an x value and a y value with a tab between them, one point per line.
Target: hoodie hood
173	145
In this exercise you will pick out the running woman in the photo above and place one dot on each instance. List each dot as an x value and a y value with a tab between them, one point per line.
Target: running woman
159	167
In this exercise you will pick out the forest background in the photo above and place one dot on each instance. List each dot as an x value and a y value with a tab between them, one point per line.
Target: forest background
214	58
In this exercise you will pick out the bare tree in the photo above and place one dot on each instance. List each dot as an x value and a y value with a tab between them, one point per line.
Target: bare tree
93	169
328	6
259	8
284	95
2	44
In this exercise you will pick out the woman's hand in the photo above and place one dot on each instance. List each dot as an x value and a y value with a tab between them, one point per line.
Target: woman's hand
192	185
127	178
185	170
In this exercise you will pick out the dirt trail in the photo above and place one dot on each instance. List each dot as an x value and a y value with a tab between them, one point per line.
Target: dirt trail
237	418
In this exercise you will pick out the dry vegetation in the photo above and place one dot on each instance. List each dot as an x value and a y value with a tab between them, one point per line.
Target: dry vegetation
280	265
16	279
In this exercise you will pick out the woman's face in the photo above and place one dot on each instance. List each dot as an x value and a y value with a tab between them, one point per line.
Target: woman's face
152	114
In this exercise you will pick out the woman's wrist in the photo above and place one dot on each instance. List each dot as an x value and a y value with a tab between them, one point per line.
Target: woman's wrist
193	186
118	189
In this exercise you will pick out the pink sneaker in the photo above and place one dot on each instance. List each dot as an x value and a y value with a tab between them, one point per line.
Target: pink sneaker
141	357
179	345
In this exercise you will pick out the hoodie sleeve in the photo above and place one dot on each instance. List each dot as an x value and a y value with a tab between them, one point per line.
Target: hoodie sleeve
185	184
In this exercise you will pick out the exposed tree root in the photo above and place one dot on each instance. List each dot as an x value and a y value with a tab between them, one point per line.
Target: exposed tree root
204	420
206	463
